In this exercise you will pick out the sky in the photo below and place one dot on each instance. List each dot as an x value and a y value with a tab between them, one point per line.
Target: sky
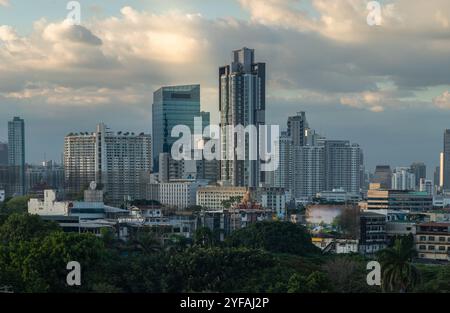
385	87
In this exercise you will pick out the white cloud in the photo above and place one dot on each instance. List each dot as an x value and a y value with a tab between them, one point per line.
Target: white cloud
4	3
331	55
442	101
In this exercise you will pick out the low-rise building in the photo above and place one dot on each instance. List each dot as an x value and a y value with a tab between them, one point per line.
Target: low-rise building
433	241
337	195
75	215
274	199
179	194
212	197
399	200
166	223
337	246
373	237
400	228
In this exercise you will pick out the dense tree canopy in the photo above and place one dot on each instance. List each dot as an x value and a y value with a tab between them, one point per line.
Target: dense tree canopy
15	205
265	257
277	237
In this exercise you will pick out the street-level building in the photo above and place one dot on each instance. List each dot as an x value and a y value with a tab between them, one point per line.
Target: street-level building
212	197
373	237
399	200
433	241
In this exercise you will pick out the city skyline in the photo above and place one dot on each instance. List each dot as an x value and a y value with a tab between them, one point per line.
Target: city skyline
368	93
218	154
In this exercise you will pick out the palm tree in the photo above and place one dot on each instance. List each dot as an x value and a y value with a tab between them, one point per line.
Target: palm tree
398	273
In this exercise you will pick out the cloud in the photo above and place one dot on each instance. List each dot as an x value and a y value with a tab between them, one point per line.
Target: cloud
442	101
4	3
321	56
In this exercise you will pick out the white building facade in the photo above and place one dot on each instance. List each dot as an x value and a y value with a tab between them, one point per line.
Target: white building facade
118	161
211	197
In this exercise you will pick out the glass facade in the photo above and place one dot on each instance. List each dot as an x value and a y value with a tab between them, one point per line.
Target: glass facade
175	105
16	152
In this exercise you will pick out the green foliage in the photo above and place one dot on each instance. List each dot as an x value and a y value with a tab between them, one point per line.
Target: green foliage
15	205
204	237
232	200
434	278
348	222
25	227
398	273
347	274
215	269
40	265
265	257
276	237
314	282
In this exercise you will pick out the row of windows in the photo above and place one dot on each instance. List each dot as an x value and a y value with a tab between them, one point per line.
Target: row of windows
433	238
433	248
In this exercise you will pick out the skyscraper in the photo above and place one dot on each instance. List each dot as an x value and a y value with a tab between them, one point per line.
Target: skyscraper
446	160
282	177
436	177
296	129
117	161
242	101
3	153
382	176
308	171
403	179
343	166
16	153
419	169
173	105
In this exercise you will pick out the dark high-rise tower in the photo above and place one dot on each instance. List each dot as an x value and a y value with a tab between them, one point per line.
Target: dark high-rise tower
16	153
446	169
242	101
3	153
419	169
296	129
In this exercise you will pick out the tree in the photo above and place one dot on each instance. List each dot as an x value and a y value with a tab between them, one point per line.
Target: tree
440	280
147	240
16	205
398	274
277	237
177	243
204	237
200	269
39	264
232	200
19	227
348	274
314	282
348	222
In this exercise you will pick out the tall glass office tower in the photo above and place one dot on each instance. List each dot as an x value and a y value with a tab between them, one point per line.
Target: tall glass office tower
172	105
242	101
16	153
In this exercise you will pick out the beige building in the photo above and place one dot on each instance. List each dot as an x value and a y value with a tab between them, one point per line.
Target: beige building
212	197
433	241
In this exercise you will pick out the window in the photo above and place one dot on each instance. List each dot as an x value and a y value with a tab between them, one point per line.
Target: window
441	248
423	238
431	238
431	248
442	239
422	247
